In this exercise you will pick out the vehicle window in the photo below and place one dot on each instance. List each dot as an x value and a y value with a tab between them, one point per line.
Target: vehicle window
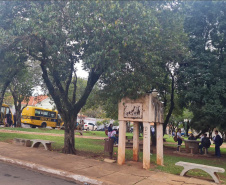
52	114
37	112
3	110
7	110
45	113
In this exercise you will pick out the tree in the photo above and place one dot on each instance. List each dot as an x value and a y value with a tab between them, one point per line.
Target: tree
21	88
201	76
12	54
158	70
104	35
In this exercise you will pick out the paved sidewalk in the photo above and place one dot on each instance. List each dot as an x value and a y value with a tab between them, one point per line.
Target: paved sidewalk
87	170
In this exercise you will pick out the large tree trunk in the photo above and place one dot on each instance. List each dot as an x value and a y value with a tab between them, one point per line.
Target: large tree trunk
67	108
2	91
18	118
171	106
69	134
17	104
6	84
188	127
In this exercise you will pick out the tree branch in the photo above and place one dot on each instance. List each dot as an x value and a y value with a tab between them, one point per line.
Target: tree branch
75	88
51	89
93	78
171	104
68	82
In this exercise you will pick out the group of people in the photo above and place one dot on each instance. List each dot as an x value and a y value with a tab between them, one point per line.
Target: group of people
205	142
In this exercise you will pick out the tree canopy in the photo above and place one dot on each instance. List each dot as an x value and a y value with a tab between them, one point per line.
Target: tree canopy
202	74
105	35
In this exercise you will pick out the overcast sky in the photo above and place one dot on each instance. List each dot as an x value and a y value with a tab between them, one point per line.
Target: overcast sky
81	73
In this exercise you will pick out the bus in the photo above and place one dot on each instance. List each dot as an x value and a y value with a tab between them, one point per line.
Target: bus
5	115
39	117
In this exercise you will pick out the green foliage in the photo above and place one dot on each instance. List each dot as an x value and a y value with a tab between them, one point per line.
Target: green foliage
201	76
104	122
98	123
13	54
167	47
104	35
116	123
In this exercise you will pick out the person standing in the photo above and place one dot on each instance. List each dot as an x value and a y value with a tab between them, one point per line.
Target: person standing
201	146
14	117
217	142
82	123
179	139
110	130
9	120
114	136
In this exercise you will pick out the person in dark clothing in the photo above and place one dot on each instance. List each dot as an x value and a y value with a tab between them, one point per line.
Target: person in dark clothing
205	142
9	120
191	137
14	117
179	139
217	142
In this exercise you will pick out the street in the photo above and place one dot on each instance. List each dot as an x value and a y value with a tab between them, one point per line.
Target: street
16	175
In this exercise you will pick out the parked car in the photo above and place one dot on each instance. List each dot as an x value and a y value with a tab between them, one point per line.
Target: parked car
90	126
115	127
101	129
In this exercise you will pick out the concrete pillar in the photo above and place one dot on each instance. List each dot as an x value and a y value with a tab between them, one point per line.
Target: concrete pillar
122	142
135	141
159	143
146	145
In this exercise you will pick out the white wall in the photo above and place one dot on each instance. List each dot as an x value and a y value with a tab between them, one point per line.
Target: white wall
46	104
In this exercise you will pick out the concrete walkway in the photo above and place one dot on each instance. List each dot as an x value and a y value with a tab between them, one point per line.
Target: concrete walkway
90	171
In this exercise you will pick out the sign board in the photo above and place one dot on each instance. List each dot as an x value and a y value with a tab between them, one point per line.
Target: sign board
133	110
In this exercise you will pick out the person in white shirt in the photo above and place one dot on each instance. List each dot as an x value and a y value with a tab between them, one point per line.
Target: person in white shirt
110	130
113	135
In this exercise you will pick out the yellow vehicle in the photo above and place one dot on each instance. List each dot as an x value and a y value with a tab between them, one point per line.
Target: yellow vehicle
6	115
39	117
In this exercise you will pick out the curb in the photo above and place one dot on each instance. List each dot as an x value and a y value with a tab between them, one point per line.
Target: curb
79	178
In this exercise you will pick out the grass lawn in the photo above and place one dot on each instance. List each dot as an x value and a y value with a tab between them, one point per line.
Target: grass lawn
43	130
170	140
56	131
94	147
170	167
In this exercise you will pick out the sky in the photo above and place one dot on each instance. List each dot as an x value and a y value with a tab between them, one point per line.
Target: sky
81	73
